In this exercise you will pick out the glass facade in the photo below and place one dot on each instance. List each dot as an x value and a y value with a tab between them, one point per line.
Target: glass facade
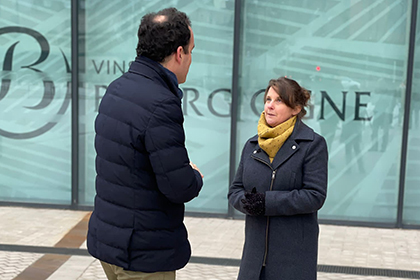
207	94
35	125
352	55
412	177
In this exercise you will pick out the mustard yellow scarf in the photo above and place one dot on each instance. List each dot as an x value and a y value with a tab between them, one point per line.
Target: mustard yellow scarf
271	139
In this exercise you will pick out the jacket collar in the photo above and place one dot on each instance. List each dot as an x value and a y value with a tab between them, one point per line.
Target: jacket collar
301	132
155	71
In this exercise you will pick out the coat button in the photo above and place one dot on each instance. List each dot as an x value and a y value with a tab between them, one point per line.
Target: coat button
255	151
294	147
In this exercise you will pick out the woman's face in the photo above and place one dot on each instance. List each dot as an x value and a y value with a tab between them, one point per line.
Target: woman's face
276	112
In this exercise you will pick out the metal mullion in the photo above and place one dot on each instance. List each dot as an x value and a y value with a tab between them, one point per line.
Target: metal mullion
74	104
235	95
407	104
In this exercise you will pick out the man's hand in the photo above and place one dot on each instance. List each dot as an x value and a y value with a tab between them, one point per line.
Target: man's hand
196	168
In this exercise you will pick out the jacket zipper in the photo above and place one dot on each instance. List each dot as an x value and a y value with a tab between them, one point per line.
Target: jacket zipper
268	218
268	222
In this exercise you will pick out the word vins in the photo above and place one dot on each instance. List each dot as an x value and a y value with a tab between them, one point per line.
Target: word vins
192	99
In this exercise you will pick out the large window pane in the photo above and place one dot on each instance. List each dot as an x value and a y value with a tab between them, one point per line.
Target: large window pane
110	41
352	56
35	129
412	177
207	100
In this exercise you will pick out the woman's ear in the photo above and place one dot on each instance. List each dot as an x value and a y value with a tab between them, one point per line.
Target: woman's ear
297	110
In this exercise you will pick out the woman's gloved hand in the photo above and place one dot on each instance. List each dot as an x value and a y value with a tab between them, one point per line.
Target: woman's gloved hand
254	203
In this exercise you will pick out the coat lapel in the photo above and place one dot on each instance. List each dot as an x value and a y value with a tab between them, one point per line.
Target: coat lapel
260	155
286	151
301	132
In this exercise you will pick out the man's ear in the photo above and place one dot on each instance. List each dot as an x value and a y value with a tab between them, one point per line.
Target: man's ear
179	53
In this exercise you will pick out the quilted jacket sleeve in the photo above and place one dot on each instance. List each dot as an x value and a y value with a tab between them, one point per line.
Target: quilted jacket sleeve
165	143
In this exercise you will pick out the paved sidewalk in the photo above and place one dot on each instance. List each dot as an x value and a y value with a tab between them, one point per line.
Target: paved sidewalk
211	239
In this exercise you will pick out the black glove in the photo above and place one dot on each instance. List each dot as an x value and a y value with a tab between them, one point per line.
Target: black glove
254	203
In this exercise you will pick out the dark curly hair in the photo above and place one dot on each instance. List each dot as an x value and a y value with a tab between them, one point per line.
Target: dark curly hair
291	93
161	33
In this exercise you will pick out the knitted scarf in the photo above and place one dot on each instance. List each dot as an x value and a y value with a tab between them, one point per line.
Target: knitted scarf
271	139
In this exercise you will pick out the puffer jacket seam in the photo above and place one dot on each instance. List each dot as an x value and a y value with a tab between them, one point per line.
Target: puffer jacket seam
113	224
158	229
119	97
139	209
115	142
154	110
125	186
120	121
119	185
119	164
119	205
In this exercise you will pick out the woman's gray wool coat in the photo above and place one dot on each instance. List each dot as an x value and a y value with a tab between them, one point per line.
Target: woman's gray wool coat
295	186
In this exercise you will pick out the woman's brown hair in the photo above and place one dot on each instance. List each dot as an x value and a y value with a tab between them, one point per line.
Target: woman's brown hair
291	93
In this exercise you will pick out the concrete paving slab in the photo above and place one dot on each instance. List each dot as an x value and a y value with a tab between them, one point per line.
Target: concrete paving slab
355	247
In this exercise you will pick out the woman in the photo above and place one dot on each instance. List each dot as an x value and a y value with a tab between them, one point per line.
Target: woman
280	184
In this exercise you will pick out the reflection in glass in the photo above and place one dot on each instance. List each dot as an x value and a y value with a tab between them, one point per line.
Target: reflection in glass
352	56
412	177
35	129
207	94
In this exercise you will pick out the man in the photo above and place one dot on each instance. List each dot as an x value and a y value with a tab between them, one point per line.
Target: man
144	175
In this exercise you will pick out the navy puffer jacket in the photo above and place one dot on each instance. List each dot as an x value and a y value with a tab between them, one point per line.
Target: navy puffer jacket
143	173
